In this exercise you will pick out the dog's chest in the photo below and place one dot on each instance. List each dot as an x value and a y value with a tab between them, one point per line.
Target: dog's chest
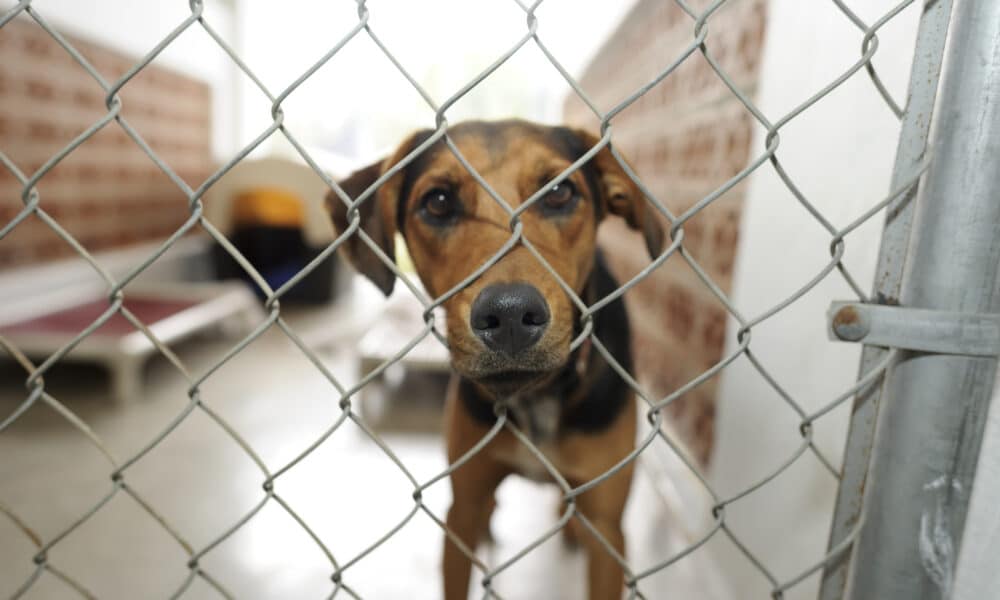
524	462
538	420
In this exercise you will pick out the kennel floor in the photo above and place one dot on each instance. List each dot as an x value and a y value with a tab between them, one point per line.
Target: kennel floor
202	482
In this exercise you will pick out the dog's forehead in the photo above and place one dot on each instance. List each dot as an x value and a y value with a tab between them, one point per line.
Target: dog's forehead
488	145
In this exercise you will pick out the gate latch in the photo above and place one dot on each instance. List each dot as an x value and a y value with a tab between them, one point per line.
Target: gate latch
925	330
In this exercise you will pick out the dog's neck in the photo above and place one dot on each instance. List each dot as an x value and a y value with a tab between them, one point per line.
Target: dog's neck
538	416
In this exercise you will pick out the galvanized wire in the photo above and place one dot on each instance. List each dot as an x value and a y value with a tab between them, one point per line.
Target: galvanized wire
637	569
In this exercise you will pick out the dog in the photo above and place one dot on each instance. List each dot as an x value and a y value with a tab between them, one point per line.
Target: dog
509	331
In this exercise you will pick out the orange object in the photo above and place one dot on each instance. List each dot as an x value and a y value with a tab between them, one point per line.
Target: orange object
268	206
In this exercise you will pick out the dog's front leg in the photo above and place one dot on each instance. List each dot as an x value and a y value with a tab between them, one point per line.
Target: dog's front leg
472	491
605	576
473	486
603	507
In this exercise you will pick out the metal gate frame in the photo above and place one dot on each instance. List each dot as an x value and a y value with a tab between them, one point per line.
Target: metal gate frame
914	442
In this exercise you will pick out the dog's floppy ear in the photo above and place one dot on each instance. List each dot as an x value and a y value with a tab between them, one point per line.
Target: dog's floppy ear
377	212
622	196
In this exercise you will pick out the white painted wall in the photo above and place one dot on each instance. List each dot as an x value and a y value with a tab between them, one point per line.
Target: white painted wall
976	575
840	153
359	106
134	28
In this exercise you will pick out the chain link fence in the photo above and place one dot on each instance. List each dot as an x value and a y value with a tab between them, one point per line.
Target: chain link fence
637	568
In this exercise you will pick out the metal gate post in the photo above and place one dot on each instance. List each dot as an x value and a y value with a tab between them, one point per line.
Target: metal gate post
914	131
934	404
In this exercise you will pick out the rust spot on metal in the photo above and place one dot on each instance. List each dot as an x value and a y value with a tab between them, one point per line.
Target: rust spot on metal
850	324
887	300
846	316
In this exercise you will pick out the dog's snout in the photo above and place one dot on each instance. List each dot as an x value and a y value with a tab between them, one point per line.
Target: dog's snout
509	317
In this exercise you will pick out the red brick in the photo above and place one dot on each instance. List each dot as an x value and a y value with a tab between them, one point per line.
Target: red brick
713	331
88	98
51	249
39	90
679	315
43	131
8	212
37	45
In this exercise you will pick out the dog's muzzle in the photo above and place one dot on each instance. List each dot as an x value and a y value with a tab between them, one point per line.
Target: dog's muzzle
509	317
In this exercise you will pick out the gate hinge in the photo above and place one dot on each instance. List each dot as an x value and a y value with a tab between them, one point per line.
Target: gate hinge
936	331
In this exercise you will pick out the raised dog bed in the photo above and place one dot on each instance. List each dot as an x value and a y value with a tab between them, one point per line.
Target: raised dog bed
171	312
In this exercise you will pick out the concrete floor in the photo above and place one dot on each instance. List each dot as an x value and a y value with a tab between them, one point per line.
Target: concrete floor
202	482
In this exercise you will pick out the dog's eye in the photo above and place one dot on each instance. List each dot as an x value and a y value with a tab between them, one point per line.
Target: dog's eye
561	198
438	206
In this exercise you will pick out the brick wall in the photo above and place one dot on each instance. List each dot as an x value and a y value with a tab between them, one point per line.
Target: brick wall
685	137
106	193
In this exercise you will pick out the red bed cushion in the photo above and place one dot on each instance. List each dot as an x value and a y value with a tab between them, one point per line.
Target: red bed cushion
73	320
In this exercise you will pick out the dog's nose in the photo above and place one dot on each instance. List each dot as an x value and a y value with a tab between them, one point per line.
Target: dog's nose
509	317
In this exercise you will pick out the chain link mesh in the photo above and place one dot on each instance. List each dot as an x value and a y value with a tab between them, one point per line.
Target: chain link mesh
636	569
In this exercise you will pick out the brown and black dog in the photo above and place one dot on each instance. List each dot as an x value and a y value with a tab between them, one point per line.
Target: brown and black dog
509	331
